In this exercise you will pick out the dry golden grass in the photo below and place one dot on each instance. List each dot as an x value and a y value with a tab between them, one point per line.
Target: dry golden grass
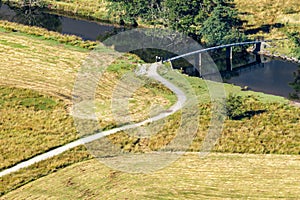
268	124
274	131
259	12
31	123
43	66
40	169
48	70
90	9
139	105
217	176
271	19
38	64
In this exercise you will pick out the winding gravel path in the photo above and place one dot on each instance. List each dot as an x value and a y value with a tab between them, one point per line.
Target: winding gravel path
152	73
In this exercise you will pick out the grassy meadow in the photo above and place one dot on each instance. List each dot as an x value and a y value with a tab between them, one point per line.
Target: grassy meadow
216	176
260	13
31	123
271	19
273	129
37	75
36	82
17	179
87	9
35	95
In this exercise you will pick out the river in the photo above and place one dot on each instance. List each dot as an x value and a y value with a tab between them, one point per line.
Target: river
272	76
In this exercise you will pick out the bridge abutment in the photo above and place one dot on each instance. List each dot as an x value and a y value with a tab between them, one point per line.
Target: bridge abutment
258	47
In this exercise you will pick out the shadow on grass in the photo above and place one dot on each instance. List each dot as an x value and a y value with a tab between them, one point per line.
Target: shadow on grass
264	28
248	114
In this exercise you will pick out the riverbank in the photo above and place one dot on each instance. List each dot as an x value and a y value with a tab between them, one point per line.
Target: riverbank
98	12
89	10
280	56
72	40
277	55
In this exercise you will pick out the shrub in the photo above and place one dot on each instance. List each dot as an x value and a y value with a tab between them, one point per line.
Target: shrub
234	106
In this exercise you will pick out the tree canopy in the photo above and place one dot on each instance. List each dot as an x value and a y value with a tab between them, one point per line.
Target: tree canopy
295	38
210	21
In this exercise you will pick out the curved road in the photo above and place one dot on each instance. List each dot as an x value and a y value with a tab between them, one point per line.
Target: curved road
152	73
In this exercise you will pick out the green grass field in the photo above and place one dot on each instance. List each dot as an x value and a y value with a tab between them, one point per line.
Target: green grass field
31	120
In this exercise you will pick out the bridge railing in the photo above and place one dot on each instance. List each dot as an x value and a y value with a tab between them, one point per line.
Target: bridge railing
213	48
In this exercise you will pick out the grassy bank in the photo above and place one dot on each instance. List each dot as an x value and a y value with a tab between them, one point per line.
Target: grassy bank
271	19
38	64
87	9
267	125
30	124
217	176
41	169
37	78
47	35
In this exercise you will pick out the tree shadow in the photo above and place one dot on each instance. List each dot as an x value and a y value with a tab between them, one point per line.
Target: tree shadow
295	96
266	28
248	114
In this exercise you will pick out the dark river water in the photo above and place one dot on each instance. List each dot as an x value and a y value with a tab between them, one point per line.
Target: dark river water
85	29
270	76
273	77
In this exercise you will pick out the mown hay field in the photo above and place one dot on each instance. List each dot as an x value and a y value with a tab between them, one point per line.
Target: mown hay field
32	70
37	77
216	176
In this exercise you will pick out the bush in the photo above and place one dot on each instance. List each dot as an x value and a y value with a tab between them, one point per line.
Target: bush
234	106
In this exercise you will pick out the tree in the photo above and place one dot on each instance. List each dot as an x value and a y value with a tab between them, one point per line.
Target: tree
221	27
129	11
214	20
181	16
32	13
296	86
295	38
